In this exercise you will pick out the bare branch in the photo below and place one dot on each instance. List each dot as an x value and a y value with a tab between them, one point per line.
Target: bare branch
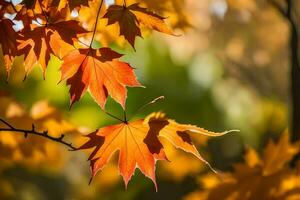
34	132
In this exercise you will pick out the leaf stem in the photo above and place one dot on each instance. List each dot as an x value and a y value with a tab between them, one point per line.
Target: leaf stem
96	23
43	134
113	116
147	104
125	117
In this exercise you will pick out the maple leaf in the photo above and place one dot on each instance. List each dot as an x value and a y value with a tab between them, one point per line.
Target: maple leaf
6	7
8	42
26	16
29	3
261	177
77	3
15	148
277	155
100	72
37	44
7	35
63	3
36	4
139	144
129	20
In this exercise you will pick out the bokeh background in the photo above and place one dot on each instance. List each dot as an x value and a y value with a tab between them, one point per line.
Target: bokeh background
228	69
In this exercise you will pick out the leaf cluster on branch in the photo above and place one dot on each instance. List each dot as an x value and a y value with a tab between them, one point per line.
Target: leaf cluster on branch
53	27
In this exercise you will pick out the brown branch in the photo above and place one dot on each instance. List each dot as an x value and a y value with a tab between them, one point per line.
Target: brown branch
295	73
14	7
295	67
34	132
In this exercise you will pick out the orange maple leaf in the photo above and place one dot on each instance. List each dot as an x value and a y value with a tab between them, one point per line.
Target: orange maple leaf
129	20
35	45
39	42
100	72
77	3
139	144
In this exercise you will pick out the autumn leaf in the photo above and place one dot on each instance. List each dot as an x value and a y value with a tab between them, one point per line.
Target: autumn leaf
35	46
27	16
130	19
34	4
6	7
261	177
63	3
46	38
177	10
29	3
8	42
139	144
7	36
32	151
78	3
100	72
277	155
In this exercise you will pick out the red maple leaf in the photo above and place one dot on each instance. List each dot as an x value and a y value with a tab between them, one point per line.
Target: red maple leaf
100	72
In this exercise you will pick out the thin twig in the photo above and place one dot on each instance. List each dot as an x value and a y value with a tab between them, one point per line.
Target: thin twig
96	23
34	132
14	7
7	124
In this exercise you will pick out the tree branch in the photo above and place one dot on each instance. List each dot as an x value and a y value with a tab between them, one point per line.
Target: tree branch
34	132
295	73
295	67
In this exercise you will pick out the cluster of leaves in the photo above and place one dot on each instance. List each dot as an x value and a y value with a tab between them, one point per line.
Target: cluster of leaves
51	27
15	148
48	28
269	176
31	152
36	154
